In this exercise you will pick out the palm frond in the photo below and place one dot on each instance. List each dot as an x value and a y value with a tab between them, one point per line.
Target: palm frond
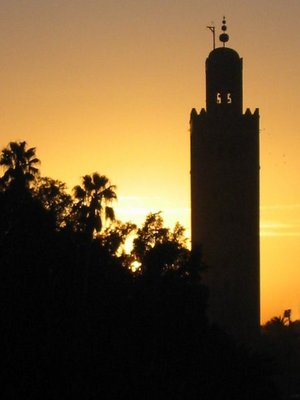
109	193
33	161
79	192
100	181
87	183
29	153
33	170
109	213
29	177
97	223
6	158
95	204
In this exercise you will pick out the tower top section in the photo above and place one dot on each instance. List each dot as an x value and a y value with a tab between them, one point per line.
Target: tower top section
224	90
223	55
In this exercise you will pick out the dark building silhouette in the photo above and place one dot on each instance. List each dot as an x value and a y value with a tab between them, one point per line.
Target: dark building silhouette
225	194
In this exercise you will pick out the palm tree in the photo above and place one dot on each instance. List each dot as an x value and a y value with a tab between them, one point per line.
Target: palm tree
93	206
19	163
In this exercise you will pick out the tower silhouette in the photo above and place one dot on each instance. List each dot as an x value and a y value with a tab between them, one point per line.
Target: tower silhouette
225	194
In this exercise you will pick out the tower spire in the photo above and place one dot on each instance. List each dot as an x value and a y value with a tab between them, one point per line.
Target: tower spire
224	37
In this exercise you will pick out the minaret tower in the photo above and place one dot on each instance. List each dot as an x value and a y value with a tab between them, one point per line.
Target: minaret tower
225	194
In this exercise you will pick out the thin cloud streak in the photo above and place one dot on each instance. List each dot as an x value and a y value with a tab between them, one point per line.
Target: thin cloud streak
277	228
278	234
276	225
138	198
137	212
280	207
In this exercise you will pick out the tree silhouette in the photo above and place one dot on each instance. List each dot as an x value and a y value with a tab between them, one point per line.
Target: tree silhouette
20	165
160	249
54	198
71	313
281	341
114	238
93	202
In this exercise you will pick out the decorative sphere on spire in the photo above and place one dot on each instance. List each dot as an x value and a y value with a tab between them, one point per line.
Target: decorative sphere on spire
224	36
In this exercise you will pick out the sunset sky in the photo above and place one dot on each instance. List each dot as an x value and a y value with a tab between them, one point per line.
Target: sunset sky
108	86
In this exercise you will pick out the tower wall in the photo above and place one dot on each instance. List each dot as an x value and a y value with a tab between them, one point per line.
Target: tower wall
225	197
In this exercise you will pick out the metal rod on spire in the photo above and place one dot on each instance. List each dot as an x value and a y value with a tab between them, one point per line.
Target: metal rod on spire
213	30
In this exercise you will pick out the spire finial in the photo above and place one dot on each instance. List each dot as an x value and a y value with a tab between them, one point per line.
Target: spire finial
224	36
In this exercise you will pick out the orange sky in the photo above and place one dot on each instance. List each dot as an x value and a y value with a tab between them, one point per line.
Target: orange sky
108	86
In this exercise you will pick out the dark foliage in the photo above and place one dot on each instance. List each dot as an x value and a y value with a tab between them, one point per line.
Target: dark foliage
281	341
54	198
76	322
